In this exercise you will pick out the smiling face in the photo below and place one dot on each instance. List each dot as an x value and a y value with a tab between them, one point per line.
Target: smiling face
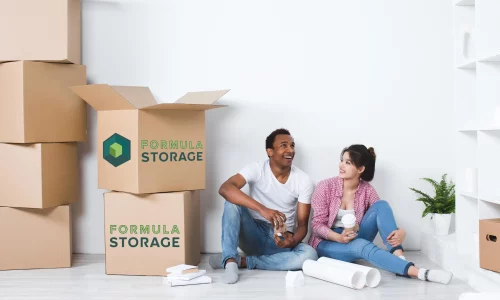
347	169
283	150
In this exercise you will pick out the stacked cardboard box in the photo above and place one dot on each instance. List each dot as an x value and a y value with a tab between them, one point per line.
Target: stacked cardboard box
489	245
41	121
152	157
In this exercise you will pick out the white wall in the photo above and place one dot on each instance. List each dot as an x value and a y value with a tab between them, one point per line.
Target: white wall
332	72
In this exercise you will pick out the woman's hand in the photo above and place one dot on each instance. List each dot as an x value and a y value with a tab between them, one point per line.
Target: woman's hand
396	237
346	236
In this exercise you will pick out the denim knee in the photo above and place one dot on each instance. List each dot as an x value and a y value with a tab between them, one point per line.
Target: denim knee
231	208
381	203
308	253
303	253
361	247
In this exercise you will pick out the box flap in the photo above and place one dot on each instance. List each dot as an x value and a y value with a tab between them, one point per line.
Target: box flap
208	97
102	97
180	106
138	96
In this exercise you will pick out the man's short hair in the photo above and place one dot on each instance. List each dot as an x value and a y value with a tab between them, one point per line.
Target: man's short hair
272	137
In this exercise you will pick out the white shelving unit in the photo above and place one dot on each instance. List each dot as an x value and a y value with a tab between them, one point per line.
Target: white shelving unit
465	2
477	108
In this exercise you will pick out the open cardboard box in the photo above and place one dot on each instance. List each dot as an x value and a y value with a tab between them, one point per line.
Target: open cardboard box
146	147
40	30
146	234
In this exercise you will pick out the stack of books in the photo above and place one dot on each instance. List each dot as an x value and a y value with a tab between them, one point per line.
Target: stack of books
186	275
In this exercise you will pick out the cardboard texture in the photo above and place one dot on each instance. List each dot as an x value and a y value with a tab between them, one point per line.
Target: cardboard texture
36	104
35	238
38	175
41	30
145	147
146	234
489	244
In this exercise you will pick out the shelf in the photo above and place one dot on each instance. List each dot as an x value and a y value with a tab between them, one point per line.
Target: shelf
488	210
490	129
491	58
490	199
467	65
465	2
469	195
467	130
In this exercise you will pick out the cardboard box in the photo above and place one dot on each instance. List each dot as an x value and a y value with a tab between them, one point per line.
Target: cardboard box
489	244
41	30
145	234
36	104
35	238
38	175
145	147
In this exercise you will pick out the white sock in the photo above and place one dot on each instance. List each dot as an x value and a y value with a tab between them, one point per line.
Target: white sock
231	273
402	257
439	276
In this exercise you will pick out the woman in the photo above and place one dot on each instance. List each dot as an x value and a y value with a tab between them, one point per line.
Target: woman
351	193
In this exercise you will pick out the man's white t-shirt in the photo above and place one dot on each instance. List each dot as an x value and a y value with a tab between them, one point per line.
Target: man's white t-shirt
266	189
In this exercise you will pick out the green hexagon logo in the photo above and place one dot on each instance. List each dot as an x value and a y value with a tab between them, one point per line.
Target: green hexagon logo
116	150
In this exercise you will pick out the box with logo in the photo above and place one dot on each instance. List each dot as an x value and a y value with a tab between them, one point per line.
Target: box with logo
35	238
38	175
145	234
36	104
41	30
489	245
145	147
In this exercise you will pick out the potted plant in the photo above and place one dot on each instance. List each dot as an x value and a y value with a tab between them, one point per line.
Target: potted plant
441	206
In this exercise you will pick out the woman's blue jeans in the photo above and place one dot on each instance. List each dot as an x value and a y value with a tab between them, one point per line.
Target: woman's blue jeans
378	218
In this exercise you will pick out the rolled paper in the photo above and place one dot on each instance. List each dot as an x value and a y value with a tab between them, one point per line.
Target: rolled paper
345	277
372	275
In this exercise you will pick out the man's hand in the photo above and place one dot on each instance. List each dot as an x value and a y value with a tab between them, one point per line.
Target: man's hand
287	242
396	237
276	218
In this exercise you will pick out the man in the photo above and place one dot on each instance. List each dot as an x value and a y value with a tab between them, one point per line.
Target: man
279	192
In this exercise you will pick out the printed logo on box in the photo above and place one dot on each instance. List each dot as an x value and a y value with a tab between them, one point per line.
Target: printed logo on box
157	151
144	236
116	150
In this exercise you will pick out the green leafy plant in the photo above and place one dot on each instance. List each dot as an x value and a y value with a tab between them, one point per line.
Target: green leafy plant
443	201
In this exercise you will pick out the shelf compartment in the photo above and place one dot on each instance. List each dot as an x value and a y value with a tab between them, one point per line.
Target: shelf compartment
488	95
465	100
464	33
488	153
487	27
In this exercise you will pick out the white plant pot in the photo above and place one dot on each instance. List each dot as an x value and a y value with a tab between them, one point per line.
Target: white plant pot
441	223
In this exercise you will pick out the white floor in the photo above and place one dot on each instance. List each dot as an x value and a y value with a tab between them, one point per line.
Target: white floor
87	280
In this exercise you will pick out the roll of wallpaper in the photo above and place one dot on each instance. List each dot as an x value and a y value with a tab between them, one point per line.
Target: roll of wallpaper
341	276
372	275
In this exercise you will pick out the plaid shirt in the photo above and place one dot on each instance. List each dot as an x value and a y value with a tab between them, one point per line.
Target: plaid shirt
326	201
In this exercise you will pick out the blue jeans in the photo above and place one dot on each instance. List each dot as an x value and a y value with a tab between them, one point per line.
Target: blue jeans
256	239
378	218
